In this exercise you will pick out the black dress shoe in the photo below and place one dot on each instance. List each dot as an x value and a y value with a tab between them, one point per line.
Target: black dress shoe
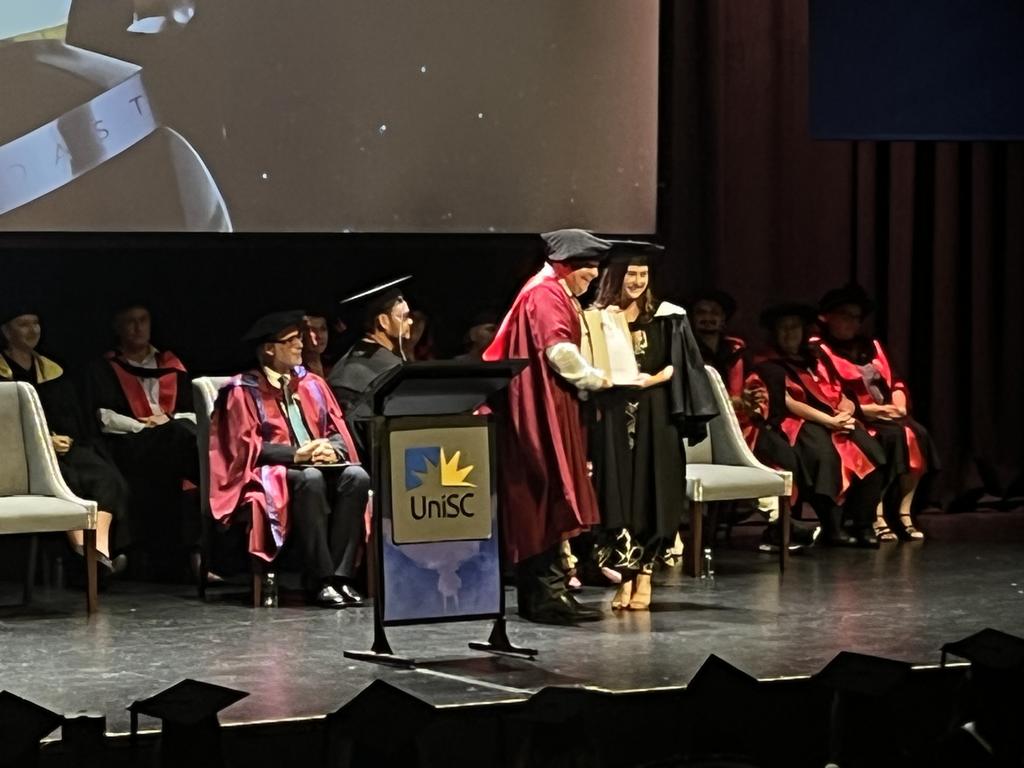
350	595
867	539
585	612
838	540
553	610
329	597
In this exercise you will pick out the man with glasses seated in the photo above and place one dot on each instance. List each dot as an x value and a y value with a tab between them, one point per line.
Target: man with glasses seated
280	451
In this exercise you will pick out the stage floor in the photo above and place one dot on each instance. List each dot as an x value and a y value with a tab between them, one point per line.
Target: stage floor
903	602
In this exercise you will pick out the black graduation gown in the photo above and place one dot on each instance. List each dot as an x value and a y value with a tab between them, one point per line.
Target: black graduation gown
154	461
86	468
352	378
637	440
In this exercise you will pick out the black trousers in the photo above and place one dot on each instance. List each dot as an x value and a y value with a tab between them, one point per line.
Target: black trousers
326	509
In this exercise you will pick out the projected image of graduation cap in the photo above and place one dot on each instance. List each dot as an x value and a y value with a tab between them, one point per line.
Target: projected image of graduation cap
190	733
22	726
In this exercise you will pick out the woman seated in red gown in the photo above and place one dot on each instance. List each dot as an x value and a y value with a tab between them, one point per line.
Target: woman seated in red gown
883	403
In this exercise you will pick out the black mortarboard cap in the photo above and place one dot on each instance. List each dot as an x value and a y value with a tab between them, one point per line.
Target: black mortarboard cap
190	728
859	673
22	726
269	327
720	680
716	691
358	728
375	300
990	648
14	307
637	252
574	245
850	293
771	315
721	298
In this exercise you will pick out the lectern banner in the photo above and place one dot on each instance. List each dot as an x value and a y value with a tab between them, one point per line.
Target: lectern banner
440	485
440	553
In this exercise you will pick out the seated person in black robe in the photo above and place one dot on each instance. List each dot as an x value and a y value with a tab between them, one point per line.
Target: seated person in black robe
83	463
387	326
142	400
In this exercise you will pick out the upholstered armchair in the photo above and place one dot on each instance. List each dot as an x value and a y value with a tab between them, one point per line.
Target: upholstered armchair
34	498
204	392
723	468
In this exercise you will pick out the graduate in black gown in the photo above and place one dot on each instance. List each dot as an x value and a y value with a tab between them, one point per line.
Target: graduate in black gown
637	443
387	325
83	463
141	398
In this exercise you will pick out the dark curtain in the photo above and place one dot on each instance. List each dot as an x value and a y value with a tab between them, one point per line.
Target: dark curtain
933	230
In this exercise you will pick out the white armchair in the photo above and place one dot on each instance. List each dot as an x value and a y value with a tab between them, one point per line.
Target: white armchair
205	390
723	468
34	498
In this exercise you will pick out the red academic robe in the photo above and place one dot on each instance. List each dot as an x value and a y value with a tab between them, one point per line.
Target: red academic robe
853	381
546	495
136	395
249	413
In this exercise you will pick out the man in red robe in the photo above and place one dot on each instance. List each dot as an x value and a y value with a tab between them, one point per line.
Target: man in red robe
282	460
547	496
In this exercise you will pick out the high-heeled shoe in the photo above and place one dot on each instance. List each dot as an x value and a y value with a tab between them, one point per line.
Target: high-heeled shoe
883	531
623	595
641	593
909	532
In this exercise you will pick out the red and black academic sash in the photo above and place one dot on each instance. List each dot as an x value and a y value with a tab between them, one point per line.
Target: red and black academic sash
128	376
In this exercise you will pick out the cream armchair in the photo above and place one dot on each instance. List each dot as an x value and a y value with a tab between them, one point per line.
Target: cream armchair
34	498
204	396
723	468
204	391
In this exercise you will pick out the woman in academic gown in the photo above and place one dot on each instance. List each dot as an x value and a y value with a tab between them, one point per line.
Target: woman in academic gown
883	403
638	451
809	427
86	470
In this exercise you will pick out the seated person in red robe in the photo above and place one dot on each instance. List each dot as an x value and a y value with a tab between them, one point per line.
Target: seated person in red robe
282	461
142	400
883	403
809	428
546	495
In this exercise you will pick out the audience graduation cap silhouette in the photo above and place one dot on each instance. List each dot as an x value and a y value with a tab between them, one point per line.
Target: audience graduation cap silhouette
190	733
990	649
22	726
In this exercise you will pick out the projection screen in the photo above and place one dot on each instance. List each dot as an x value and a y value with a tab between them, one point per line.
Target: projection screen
328	115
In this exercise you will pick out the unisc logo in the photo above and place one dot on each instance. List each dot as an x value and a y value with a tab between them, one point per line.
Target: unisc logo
438	481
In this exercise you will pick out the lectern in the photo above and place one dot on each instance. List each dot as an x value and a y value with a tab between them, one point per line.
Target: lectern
436	519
